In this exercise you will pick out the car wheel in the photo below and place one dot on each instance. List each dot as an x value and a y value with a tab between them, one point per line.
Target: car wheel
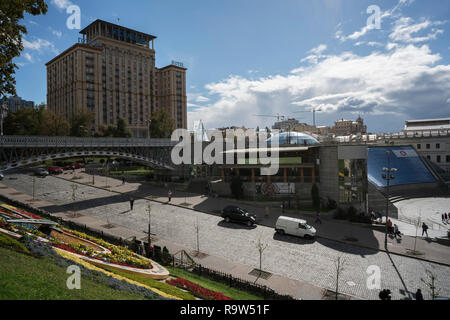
227	219
249	223
307	237
280	232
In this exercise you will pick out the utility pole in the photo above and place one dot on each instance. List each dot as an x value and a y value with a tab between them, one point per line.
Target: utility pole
388	176
149	210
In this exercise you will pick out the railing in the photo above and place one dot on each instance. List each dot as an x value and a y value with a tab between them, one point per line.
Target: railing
17	141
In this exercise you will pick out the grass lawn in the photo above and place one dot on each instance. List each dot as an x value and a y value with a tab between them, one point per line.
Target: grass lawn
231	293
137	172
23	277
164	287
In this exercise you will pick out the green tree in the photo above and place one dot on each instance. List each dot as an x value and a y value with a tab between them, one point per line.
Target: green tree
162	124
54	125
81	123
11	12
122	130
315	197
237	188
25	121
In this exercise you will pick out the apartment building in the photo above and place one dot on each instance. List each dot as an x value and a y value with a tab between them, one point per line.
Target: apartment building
111	72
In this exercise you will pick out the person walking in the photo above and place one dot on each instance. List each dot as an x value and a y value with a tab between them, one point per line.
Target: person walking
169	195
424	229
123	179
446	216
318	217
131	203
389	225
397	232
443	218
419	295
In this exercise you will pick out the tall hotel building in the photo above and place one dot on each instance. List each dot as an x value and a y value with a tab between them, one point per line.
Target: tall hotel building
111	71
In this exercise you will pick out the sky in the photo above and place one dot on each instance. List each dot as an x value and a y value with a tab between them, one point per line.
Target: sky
266	57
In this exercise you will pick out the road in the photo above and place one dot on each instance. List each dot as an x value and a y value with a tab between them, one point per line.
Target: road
309	261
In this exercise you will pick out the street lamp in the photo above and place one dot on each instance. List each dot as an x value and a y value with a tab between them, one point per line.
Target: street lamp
3	110
388	175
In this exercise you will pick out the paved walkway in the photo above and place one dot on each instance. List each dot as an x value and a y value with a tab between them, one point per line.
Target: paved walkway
366	236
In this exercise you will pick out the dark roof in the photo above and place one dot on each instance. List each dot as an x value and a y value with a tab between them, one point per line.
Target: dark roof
118	26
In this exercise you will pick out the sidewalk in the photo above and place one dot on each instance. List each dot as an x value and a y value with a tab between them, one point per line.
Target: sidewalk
355	234
282	285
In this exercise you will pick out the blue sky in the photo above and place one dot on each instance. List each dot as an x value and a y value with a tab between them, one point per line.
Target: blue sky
248	57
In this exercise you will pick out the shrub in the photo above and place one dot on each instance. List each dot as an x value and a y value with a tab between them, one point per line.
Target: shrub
166	258
12	244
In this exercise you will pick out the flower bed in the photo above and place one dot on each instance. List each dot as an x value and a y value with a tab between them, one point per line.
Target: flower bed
117	255
197	290
21	212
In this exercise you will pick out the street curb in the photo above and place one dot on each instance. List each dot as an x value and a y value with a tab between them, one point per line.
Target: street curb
265	225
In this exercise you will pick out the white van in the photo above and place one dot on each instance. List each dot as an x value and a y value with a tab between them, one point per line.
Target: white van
294	227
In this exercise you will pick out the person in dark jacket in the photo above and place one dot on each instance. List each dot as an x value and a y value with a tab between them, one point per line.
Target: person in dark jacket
419	295
424	229
385	294
131	203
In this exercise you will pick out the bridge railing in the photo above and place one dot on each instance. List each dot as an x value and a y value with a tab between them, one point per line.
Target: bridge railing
41	141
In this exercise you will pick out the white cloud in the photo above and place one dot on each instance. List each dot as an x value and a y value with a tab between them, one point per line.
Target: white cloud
315	54
202	99
405	82
40	45
56	33
405	29
28	57
61	4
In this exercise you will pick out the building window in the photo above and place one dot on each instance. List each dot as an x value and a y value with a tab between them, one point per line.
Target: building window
438	145
447	158
428	146
428	157
438	159
418	146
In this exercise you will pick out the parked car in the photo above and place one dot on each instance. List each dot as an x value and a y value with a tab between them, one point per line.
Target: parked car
1	176
41	172
78	165
294	227
55	170
236	214
69	167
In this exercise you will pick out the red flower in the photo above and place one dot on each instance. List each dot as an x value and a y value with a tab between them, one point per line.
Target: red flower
197	290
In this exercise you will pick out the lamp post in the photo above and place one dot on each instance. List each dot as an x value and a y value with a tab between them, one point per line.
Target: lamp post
388	175
3	110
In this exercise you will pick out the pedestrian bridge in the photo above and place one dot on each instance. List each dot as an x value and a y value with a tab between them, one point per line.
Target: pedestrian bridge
19	151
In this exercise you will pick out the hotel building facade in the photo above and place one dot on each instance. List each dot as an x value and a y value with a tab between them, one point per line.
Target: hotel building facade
111	72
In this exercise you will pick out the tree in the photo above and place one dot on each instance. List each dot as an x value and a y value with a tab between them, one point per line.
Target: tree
237	189
54	125
431	284
315	197
25	121
162	124
120	131
11	12
261	248
339	268
81	123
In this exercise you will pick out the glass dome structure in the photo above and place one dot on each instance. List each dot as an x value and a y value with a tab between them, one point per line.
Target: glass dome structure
298	138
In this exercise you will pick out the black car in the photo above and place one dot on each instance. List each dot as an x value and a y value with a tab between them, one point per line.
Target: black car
236	214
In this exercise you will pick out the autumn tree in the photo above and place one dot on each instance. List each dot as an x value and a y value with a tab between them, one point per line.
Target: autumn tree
81	123
11	32
162	124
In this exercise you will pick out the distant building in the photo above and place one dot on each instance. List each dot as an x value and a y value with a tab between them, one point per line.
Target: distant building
348	127
427	125
285	125
111	72
16	103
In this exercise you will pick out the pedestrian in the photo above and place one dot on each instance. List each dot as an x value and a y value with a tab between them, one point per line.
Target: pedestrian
123	179
419	295
389	225
131	203
169	195
443	218
318	217
424	229
397	232
385	294
446	216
